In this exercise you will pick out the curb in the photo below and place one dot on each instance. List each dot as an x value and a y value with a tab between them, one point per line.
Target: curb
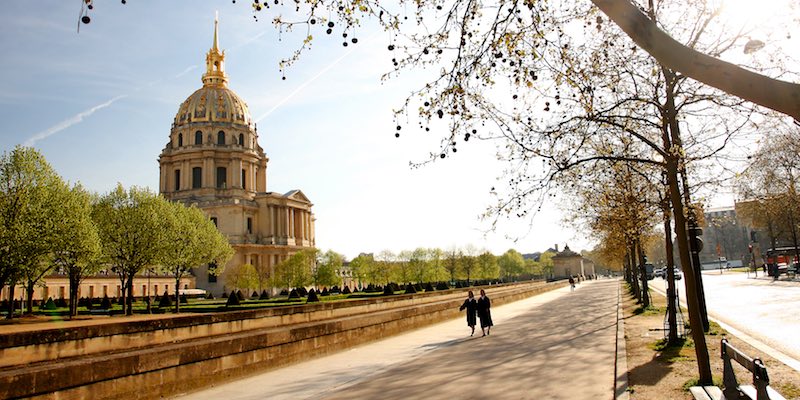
621	357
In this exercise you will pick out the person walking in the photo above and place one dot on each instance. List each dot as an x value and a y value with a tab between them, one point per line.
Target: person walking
485	313
471	305
571	283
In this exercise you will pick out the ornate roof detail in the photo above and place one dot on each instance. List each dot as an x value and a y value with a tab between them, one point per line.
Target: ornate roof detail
214	102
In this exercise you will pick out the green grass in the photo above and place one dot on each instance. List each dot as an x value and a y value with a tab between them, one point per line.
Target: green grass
716	381
650	310
671	353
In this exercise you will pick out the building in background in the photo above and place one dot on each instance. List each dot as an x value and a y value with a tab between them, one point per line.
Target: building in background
213	160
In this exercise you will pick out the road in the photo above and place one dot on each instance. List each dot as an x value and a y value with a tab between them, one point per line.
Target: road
558	345
763	309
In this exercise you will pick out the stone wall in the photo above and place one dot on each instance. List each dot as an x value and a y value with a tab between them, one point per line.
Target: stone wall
150	359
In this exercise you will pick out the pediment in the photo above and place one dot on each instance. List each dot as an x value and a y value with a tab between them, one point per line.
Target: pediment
297	195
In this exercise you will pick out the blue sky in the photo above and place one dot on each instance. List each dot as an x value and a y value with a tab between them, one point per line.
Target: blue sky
99	105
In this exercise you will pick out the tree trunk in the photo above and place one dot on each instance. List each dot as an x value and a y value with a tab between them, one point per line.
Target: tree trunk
177	291
695	319
74	284
123	279
771	93
635	273
29	288
643	266
128	305
11	286
670	277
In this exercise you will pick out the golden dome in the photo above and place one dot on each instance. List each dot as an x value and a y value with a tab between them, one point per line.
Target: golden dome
214	102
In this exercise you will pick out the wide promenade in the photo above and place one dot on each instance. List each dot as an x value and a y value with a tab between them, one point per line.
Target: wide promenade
558	345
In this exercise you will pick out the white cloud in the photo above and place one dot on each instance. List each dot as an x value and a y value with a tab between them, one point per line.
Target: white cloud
69	122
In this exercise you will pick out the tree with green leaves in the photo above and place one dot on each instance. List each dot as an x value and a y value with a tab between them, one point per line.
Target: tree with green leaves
295	271
325	273
242	276
77	250
190	240
31	203
511	264
361	267
487	266
132	231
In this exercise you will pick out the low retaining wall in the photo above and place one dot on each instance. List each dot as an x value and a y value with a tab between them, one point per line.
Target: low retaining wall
168	368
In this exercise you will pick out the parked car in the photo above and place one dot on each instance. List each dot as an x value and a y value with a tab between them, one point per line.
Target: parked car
678	274
661	272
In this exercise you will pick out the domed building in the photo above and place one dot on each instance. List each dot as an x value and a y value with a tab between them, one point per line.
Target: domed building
213	160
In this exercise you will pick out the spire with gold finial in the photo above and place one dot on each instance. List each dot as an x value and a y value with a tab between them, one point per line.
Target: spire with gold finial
215	62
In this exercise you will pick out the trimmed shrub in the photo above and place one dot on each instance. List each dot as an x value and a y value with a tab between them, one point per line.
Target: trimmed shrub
225	294
233	300
184	300
264	295
442	286
459	285
312	296
346	290
294	295
48	305
428	287
388	291
302	291
284	292
240	295
254	295
335	289
410	289
105	303
324	292
165	301
209	296
61	302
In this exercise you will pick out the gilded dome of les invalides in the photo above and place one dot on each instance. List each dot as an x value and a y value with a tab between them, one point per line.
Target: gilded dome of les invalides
214	102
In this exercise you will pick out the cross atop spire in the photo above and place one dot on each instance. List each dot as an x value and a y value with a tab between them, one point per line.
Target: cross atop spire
215	61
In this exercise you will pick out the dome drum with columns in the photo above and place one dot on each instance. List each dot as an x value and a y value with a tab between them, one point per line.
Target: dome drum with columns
213	160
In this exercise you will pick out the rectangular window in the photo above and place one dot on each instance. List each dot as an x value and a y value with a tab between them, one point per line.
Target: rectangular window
144	290
244	179
222	177
249	225
62	292
155	289
197	178
177	180
91	292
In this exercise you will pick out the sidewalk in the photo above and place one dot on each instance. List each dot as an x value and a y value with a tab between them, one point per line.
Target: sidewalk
558	345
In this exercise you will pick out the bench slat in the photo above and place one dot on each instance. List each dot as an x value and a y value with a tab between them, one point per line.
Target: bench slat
699	393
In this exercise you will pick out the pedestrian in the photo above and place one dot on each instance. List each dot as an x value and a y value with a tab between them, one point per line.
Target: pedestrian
485	313
471	305
571	283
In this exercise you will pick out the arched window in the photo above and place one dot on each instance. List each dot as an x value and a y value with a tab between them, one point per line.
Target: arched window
222	177
197	177
177	180
198	137
220	137
180	140
241	139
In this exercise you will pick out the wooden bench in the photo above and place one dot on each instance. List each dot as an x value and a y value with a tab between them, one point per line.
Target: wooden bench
759	390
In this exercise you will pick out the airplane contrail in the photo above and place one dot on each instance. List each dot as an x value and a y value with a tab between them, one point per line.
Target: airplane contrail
312	79
69	122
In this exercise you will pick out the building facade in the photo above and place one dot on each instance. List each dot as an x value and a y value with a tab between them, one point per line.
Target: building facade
568	263
213	160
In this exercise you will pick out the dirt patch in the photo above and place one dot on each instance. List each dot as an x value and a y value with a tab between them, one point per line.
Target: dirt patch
655	372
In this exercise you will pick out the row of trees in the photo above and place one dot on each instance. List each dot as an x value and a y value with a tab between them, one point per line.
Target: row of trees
312	267
47	225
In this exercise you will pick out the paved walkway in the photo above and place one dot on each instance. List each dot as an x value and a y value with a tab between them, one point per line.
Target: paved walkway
558	345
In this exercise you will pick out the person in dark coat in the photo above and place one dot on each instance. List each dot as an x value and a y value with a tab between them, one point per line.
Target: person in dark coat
471	305
485	313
